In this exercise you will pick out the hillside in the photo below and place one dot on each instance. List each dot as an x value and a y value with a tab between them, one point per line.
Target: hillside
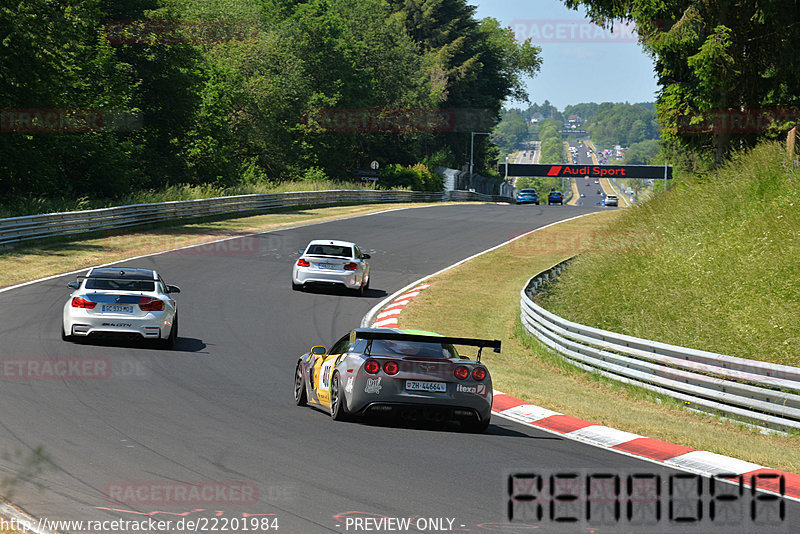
712	264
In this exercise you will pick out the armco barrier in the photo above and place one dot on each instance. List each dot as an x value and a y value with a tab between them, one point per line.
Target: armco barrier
758	393
18	229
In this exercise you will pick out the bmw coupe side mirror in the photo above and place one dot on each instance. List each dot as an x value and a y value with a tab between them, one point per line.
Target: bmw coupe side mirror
173	289
366	256
319	350
74	285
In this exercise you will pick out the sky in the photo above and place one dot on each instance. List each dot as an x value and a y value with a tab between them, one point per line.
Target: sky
580	61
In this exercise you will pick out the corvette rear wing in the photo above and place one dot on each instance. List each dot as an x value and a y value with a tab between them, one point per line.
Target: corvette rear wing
421	338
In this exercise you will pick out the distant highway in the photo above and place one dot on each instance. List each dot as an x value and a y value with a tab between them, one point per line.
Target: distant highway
586	186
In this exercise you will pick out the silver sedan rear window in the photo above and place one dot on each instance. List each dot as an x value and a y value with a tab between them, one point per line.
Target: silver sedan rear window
330	250
120	284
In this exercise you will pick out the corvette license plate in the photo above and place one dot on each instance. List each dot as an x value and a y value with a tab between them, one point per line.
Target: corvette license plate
417	385
117	308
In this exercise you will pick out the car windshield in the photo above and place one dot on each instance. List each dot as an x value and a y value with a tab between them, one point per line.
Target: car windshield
116	284
528	191
385	347
340	251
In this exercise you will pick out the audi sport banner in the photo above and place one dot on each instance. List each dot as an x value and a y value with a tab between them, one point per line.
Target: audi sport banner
579	171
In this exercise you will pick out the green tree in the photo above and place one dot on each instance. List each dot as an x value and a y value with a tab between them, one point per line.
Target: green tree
511	131
718	64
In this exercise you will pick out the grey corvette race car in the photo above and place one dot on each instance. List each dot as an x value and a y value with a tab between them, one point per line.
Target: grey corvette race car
418	376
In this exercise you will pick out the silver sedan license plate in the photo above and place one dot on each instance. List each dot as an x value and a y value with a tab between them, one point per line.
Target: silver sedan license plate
418	385
117	308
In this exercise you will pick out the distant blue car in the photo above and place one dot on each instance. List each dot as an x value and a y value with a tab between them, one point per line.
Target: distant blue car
527	196
555	198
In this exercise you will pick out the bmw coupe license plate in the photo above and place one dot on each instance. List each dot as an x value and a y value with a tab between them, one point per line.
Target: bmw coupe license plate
417	385
117	308
327	266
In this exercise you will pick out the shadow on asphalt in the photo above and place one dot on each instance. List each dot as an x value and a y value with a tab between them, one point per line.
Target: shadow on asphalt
343	292
182	344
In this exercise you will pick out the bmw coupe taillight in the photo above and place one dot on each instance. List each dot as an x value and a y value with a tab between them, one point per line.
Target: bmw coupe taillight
372	367
303	263
461	372
350	266
479	373
391	368
151	304
80	302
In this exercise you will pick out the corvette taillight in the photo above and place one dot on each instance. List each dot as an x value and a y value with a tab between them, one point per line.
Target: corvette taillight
372	367
80	302
350	266
303	263
151	304
479	373
461	372
391	368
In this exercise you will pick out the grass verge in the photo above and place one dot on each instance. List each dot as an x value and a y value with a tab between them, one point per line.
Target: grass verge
466	302
29	262
37	205
713	264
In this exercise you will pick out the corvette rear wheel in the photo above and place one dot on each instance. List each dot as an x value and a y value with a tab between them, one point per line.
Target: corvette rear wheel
299	387
476	426
338	409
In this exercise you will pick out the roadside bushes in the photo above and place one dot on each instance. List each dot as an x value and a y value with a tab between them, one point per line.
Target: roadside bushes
416	177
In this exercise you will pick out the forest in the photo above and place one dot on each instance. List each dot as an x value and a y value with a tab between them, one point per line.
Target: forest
102	97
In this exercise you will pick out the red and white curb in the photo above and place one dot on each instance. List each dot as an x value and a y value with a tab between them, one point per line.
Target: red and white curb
669	454
653	450
387	318
678	456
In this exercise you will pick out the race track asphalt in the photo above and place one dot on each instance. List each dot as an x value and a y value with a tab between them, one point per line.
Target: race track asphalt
218	409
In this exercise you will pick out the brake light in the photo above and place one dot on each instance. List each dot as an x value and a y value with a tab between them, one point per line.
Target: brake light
479	373
350	266
461	372
372	367
391	368
303	263
151	304
80	302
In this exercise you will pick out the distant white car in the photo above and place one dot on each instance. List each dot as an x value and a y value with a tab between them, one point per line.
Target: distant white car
332	263
611	200
121	302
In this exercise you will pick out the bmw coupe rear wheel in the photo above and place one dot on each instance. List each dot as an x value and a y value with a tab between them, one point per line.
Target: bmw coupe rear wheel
338	410
173	335
299	387
64	336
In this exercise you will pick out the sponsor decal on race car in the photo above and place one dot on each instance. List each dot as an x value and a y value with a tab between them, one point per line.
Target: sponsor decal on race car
325	375
480	389
348	387
373	385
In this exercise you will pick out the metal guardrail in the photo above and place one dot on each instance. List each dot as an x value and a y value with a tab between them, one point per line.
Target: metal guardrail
17	229
759	393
